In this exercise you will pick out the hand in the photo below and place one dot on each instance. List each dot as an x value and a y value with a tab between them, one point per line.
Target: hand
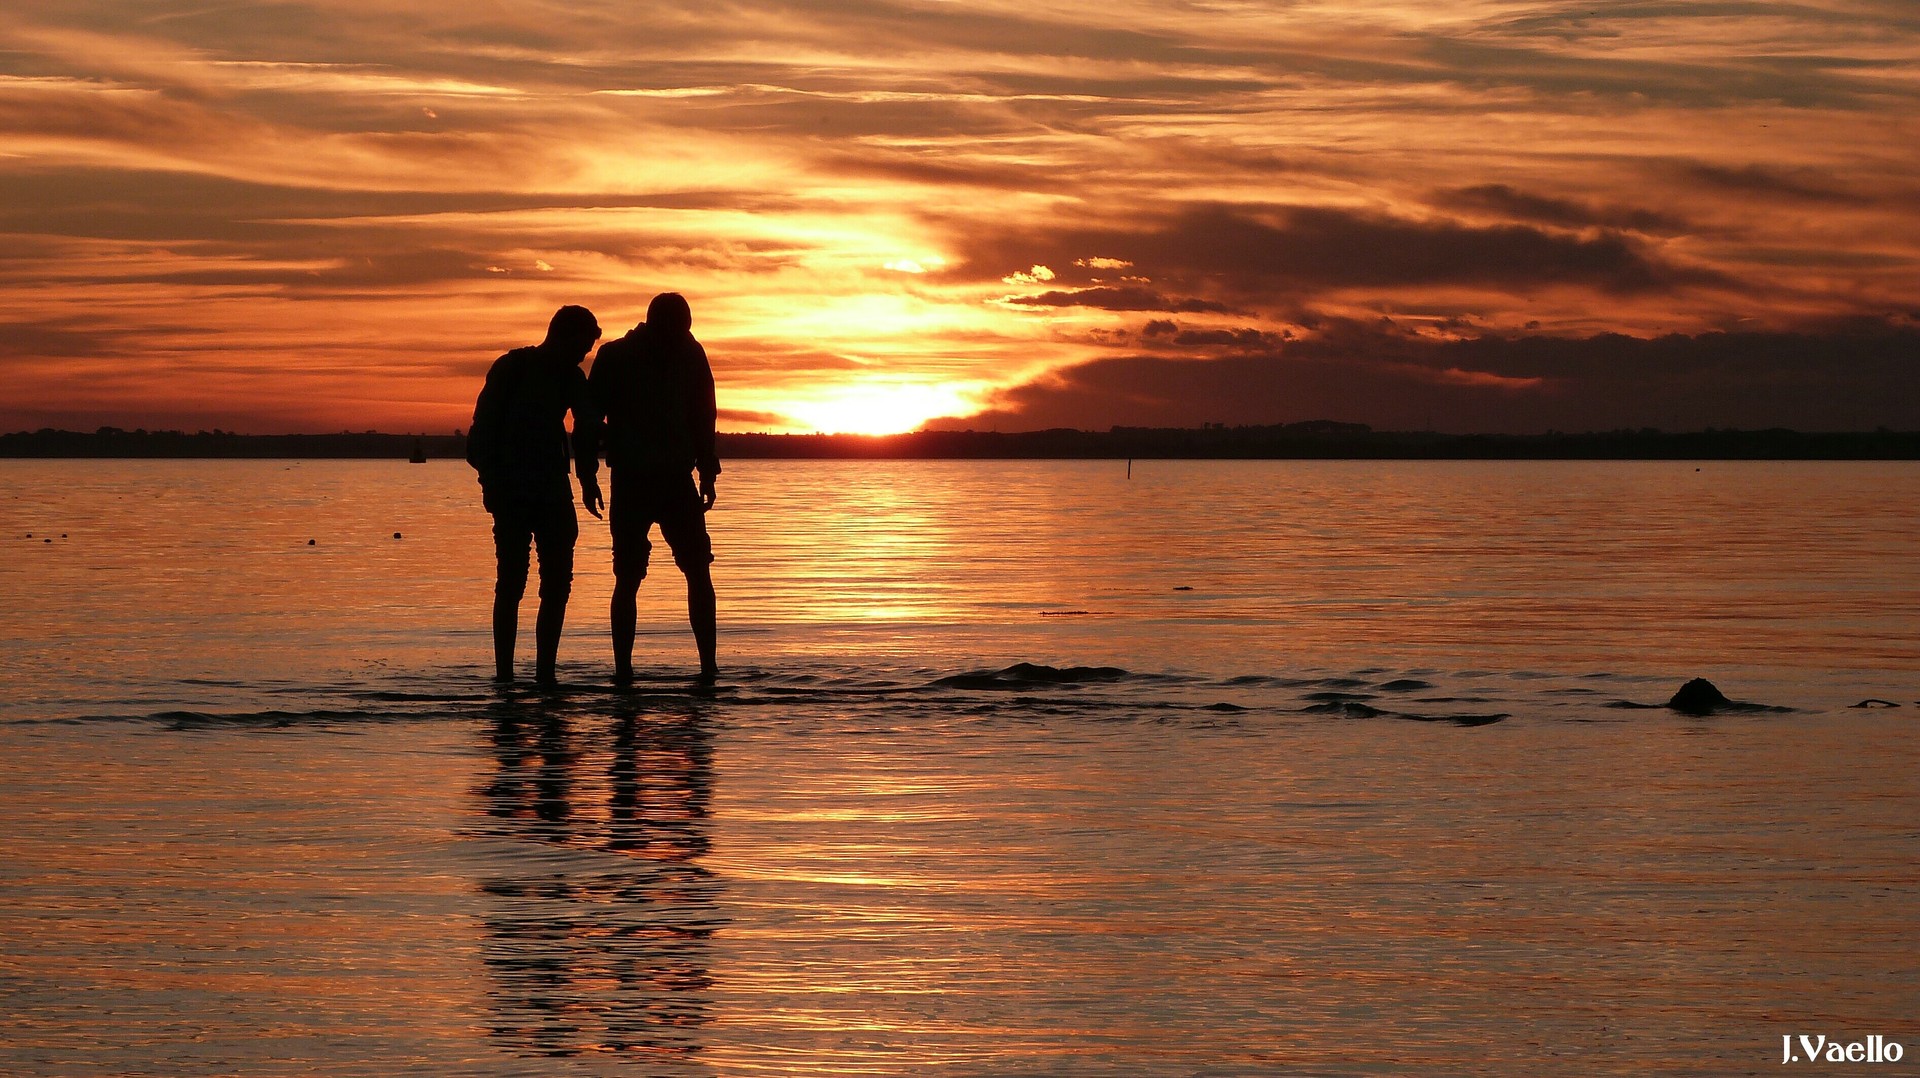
707	494
590	497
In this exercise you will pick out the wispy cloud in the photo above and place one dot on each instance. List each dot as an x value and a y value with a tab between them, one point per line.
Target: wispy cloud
390	193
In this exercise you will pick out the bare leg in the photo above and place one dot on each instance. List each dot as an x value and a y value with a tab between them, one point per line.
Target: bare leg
554	540
546	637
700	614
510	543
506	628
624	615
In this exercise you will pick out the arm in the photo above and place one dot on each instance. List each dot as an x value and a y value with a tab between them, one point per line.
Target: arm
588	426
701	422
483	438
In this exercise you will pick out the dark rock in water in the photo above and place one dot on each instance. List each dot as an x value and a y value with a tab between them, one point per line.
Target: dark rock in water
1352	709
1022	675
46	540
1184	587
1472	720
1874	701
1698	697
1061	675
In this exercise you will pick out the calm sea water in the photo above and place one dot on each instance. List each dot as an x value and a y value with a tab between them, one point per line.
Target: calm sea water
1017	768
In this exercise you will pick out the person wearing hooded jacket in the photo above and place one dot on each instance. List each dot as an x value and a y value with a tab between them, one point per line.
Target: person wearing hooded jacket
654	388
519	445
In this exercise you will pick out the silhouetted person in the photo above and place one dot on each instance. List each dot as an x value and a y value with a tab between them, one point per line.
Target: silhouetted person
518	444
655	388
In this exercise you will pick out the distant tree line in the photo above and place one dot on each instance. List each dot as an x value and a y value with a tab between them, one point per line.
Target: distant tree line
115	442
1319	439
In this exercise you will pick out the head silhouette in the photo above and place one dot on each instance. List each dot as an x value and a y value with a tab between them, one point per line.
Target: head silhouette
669	312
573	330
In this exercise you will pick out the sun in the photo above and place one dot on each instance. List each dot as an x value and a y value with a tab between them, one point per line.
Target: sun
876	409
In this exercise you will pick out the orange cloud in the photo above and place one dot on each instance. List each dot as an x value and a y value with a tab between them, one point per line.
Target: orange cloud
334	212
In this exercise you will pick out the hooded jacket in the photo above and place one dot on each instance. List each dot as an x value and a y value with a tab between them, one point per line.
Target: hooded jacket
519	441
655	389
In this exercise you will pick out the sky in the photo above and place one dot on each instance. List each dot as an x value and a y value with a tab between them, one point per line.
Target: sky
1479	215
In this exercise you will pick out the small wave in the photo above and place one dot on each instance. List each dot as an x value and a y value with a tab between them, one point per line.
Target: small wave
391	696
1338	697
186	720
1261	680
862	697
1026	675
1743	707
1354	709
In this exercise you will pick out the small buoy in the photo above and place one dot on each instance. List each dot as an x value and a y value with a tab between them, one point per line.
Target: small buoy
309	542
63	535
46	540
396	535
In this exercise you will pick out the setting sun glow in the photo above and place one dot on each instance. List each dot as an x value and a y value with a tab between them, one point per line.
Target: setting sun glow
1490	216
877	409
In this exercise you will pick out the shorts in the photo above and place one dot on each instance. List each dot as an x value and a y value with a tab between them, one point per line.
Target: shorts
548	525
642	500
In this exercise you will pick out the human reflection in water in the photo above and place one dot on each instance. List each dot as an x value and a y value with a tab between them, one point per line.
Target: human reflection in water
602	950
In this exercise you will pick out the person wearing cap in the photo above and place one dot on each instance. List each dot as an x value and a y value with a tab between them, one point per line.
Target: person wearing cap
654	387
520	446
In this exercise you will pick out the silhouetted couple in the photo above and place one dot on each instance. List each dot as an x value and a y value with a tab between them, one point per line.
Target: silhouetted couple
650	402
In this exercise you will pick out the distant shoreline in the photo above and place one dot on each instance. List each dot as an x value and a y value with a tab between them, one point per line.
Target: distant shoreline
1297	441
